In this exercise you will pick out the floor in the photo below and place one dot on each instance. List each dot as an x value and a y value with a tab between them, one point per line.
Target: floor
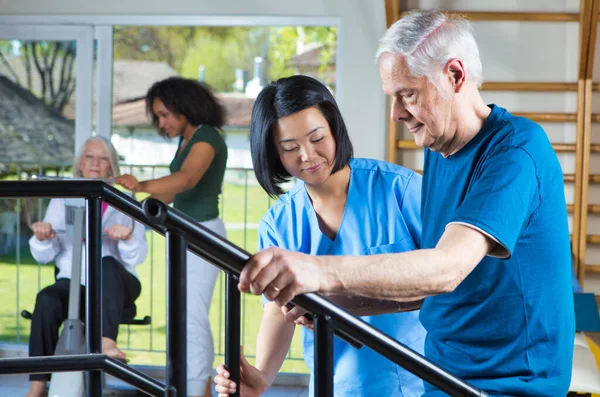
17	386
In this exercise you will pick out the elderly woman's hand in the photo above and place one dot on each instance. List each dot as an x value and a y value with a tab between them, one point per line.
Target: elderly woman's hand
43	231
128	181
119	232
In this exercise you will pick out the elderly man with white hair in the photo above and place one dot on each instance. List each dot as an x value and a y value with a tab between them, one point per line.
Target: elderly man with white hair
494	267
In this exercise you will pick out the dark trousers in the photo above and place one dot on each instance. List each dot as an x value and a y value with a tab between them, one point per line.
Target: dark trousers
120	289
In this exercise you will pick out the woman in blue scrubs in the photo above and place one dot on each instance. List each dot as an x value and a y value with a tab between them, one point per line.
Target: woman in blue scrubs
340	205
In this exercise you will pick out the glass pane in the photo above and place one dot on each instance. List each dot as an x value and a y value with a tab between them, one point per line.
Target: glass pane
37	130
236	62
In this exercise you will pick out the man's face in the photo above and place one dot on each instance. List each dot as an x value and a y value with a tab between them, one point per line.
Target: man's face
425	109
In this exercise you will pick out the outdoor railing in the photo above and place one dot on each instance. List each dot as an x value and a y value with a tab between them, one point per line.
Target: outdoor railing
240	212
182	231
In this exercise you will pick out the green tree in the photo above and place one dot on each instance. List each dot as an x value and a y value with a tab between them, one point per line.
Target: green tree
53	65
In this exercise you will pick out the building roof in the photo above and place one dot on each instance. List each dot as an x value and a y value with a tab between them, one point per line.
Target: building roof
238	110
310	57
30	130
132	79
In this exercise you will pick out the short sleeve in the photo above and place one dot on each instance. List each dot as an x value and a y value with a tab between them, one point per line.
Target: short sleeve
266	239
502	197
411	207
266	235
210	135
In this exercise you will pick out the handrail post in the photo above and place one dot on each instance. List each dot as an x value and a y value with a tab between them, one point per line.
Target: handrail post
323	364
93	290
232	330
176	314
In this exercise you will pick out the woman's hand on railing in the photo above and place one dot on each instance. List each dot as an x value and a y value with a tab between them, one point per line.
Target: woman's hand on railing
128	181
43	231
296	314
253	380
118	232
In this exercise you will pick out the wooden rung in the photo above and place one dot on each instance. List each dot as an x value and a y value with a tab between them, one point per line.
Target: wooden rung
592	208
570	147
518	16
593	269
548	117
528	86
591	238
570	178
558	147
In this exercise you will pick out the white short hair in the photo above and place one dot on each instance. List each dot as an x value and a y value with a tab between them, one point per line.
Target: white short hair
112	156
428	39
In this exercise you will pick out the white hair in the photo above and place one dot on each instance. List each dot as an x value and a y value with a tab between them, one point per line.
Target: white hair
429	39
112	156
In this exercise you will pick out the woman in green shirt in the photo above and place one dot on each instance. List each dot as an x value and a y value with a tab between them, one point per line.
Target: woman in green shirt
188	110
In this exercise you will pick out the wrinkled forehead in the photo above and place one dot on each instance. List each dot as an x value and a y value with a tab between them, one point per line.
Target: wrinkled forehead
396	75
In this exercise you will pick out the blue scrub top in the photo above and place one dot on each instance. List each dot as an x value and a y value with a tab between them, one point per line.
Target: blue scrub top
382	215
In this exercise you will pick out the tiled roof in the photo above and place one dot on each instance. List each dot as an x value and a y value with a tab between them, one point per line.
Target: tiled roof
237	107
30	130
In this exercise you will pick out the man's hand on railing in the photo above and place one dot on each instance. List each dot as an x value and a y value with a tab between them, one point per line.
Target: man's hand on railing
253	381
281	275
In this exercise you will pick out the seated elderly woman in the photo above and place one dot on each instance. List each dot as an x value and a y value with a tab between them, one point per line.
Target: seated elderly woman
123	248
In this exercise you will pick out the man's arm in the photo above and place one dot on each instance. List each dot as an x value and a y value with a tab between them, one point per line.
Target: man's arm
402	277
409	275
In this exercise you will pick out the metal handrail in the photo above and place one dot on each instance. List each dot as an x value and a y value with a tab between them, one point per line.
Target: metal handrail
231	258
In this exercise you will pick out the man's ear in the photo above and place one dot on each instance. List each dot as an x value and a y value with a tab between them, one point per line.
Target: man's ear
457	73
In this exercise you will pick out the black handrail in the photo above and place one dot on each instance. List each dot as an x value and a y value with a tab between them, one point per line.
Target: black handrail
231	258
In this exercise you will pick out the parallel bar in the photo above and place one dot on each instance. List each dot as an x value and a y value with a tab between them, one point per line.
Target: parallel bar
134	377
229	257
176	315
85	362
232	329
323	356
93	291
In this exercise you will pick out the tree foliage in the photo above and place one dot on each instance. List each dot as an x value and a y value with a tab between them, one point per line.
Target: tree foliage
46	68
222	50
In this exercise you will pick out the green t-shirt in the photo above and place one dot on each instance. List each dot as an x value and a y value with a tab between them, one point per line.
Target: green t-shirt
201	202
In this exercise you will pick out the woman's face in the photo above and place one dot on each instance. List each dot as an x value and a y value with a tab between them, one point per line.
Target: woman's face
95	161
172	124
305	145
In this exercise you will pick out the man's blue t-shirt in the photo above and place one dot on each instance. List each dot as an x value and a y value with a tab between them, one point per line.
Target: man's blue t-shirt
382	215
508	328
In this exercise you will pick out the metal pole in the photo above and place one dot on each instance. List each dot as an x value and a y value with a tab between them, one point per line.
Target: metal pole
176	314
93	291
232	330
323	363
